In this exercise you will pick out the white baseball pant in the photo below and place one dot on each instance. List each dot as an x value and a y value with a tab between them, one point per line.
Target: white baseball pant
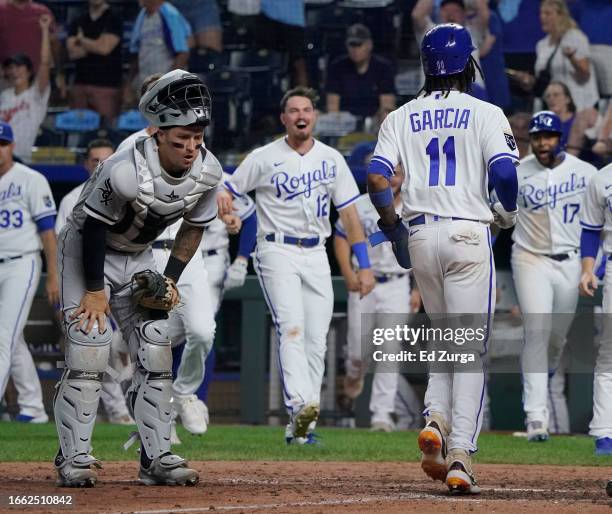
296	283
545	289
216	266
601	424
25	379
18	282
191	321
453	266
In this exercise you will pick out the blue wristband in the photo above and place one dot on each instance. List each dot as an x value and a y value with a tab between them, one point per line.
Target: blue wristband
360	250
382	198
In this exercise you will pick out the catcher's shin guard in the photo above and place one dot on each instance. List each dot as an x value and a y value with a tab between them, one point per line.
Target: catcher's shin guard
78	391
150	395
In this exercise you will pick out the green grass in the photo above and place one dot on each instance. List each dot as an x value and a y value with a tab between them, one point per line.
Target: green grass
20	442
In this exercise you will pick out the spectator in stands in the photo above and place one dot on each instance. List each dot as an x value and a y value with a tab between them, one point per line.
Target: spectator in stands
159	43
603	145
519	123
557	98
20	33
94	44
203	16
595	22
493	64
280	26
24	103
564	54
361	82
453	11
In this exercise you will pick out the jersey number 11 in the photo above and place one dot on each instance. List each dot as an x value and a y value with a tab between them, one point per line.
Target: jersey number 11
433	150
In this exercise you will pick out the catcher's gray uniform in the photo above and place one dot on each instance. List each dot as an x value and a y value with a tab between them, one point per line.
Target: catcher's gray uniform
137	199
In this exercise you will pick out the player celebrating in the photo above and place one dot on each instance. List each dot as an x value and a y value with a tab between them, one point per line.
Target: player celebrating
449	145
104	247
391	294
596	216
546	238
27	215
295	179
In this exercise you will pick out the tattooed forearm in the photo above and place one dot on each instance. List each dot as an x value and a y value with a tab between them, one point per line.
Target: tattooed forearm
186	242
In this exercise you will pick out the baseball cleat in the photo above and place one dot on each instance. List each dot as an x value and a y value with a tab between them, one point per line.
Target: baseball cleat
76	472
537	432
307	414
460	478
168	469
24	418
174	438
193	413
603	446
433	448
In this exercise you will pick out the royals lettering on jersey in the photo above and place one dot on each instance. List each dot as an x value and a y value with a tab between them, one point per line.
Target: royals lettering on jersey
293	191
549	202
596	211
382	258
137	199
25	199
446	144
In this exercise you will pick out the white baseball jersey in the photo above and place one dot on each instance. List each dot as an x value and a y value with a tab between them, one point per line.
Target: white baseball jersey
24	113
134	195
446	146
382	258
25	198
293	191
66	206
549	204
597	206
216	236
129	141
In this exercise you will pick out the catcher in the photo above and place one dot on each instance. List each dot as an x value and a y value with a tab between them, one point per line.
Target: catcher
105	259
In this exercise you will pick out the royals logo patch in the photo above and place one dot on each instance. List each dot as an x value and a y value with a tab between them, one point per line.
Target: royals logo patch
47	201
510	141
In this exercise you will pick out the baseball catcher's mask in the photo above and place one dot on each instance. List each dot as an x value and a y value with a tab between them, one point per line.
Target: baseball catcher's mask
178	98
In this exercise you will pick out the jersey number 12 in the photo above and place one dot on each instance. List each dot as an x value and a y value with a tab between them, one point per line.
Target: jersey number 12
433	150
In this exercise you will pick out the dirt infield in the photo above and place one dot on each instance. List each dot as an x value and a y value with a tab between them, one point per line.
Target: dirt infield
318	487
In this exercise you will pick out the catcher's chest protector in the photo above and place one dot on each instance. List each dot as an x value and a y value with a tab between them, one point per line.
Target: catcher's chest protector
161	199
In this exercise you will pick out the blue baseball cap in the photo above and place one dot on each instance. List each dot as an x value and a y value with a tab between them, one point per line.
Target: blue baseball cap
6	132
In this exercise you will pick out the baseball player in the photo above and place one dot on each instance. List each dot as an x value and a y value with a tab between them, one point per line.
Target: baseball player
111	394
296	178
450	145
27	214
595	217
103	249
546	239
390	295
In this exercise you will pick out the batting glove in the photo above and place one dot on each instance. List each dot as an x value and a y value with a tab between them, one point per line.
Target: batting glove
501	217
398	235
236	274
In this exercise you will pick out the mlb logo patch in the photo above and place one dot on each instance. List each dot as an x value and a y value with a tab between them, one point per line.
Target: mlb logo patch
47	201
441	67
510	141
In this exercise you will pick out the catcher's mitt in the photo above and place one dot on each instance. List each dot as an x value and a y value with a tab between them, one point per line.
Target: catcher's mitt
153	290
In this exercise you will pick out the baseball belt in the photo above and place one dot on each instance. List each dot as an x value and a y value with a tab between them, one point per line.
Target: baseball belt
305	242
8	259
420	220
166	244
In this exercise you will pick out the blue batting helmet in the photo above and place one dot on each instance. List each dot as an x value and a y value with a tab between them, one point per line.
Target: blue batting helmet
545	121
446	50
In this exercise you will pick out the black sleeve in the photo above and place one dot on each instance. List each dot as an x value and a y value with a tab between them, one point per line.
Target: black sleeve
386	78
114	25
74	26
94	253
334	73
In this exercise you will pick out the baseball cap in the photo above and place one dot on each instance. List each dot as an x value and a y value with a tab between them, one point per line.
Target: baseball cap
19	60
6	132
358	34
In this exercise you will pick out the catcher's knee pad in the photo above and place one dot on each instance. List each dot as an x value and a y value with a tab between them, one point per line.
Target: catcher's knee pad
78	391
150	396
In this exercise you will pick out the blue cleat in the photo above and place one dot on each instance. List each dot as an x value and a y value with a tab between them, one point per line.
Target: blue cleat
24	418
603	446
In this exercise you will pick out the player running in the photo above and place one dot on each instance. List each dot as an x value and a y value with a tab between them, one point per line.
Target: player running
450	145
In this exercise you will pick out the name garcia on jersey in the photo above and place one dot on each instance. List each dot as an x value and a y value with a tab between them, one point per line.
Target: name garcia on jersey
449	118
292	186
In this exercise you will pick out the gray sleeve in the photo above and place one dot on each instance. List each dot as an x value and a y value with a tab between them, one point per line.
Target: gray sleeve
113	185
204	211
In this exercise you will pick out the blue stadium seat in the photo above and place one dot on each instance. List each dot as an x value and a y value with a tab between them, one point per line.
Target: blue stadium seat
131	121
77	120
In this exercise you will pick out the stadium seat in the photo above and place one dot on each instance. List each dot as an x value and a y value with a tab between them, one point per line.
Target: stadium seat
48	137
206	61
77	120
131	121
112	135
